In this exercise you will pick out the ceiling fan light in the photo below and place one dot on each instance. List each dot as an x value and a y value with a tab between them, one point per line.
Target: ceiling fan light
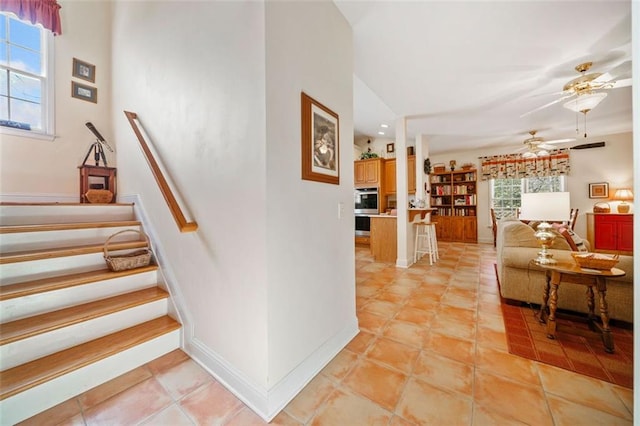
529	154
585	102
542	153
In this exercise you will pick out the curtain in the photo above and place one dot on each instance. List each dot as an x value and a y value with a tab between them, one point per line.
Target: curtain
514	166
44	12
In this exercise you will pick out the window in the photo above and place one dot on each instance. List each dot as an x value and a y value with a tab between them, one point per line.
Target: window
26	78
505	193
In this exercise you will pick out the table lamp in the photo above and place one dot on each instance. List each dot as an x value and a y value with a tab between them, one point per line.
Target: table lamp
547	207
623	195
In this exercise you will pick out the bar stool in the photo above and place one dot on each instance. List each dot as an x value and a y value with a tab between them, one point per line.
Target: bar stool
425	242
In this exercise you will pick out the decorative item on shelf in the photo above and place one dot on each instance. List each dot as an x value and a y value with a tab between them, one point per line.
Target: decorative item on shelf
595	260
467	166
368	154
623	195
601	208
99	196
452	165
136	259
438	168
545	206
427	166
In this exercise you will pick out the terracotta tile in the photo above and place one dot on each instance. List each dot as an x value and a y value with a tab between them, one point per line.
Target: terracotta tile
183	378
113	387
305	404
54	415
582	390
396	355
76	420
416	316
391	297
130	406
455	313
505	364
246	417
404	332
486	416
460	329
626	396
371	322
570	413
522	402
377	382
171	415
451	347
424	404
444	373
167	361
422	303
348	409
340	365
399	421
489	338
200	408
361	342
382	308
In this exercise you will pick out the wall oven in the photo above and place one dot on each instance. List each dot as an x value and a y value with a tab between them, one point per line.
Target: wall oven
366	202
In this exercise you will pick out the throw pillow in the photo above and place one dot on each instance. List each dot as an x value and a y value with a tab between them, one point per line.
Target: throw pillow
576	243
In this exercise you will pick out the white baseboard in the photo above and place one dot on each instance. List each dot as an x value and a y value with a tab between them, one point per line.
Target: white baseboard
267	403
39	198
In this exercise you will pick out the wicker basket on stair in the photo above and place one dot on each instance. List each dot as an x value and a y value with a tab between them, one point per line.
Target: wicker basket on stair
123	262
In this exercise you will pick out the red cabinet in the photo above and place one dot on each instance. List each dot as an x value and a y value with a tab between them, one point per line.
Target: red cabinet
610	232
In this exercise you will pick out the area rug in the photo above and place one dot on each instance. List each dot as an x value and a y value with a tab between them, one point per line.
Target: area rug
575	347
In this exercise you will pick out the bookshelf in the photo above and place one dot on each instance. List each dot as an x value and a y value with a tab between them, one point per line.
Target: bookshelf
454	196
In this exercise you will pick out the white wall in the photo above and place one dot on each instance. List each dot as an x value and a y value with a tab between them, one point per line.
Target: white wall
311	289
31	166
612	163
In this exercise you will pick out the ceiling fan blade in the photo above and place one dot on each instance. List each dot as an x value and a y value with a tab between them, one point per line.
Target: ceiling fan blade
560	141
547	105
545	146
621	83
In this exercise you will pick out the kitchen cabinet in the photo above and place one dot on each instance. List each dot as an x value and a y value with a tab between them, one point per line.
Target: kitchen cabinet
390	175
367	173
610	233
453	195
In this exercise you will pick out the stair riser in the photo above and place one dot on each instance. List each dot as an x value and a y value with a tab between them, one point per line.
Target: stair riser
39	214
12	273
26	306
14	242
35	347
33	401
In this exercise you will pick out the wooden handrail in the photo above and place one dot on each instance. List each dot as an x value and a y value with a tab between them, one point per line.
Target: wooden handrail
176	211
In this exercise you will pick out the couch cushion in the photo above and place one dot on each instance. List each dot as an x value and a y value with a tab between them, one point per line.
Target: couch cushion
518	234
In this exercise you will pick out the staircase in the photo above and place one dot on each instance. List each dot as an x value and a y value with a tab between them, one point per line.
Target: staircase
67	323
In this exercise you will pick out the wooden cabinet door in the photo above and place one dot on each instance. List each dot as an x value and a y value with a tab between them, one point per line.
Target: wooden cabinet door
390	176
625	234
457	229
470	230
443	227
358	172
411	171
605	235
372	171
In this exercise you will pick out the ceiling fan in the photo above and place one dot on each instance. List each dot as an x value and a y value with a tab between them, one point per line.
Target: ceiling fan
536	146
584	93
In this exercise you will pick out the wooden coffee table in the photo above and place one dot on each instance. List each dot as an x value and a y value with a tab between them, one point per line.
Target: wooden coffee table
566	272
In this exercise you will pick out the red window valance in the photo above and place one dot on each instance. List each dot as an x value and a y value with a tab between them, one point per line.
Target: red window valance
43	12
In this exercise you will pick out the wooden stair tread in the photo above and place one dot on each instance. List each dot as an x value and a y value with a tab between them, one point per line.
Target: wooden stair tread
28	255
38	324
43	285
34	373
14	229
17	203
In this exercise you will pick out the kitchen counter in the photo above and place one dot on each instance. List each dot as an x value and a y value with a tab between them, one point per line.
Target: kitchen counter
384	238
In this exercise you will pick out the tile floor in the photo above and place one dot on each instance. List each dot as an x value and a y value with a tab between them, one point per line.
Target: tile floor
431	351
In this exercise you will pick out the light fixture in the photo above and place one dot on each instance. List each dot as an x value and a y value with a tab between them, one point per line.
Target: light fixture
384	126
545	206
586	102
623	195
381	133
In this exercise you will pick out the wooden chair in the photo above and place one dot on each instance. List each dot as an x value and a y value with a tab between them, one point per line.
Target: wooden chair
494	226
573	217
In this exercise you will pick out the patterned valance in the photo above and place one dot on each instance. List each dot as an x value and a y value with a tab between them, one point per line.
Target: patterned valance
44	12
514	166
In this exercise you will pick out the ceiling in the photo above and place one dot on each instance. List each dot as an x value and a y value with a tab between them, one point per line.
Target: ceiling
463	72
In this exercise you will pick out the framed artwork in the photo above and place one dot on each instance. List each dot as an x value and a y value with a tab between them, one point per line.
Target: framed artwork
320	143
599	190
86	93
84	70
390	147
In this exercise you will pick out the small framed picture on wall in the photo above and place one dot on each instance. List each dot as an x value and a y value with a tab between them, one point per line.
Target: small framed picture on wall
599	190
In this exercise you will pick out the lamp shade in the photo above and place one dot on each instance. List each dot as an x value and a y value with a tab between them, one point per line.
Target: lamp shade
623	195
546	206
586	102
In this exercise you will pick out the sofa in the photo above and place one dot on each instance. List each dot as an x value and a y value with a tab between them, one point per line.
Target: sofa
522	281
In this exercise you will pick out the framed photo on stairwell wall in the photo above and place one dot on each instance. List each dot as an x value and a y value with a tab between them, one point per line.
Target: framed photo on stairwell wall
320	142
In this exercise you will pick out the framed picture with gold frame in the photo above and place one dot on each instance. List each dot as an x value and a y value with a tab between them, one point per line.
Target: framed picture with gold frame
320	142
599	190
84	70
86	93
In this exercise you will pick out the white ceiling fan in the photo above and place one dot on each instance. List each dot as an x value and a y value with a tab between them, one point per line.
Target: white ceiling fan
584	93
537	147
